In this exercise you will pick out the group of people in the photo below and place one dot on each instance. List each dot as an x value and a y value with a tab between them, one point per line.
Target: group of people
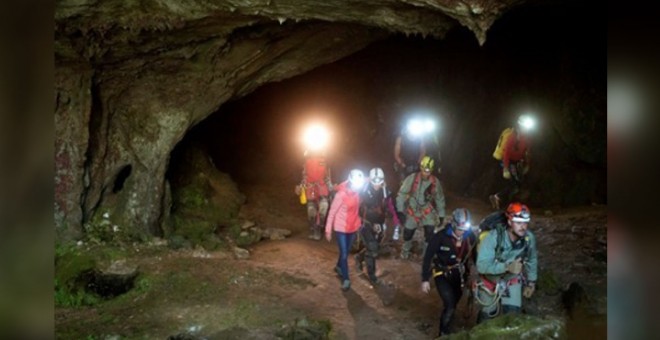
501	247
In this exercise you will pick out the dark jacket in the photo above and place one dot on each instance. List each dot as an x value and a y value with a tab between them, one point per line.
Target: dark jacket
442	253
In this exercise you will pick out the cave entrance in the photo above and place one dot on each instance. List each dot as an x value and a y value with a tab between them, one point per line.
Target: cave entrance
528	63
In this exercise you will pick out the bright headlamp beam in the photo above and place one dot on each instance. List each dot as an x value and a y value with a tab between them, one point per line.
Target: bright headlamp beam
316	137
526	122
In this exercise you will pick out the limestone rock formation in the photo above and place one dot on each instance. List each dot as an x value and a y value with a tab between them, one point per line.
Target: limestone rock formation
132	77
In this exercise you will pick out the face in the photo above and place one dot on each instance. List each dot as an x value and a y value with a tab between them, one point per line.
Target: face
426	173
519	228
377	186
459	232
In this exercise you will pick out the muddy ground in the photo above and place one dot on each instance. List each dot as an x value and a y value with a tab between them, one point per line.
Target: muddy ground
213	295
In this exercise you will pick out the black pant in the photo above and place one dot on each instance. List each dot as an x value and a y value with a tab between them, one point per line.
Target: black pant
369	253
511	186
450	290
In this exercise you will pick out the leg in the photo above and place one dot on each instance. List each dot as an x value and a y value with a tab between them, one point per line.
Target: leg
344	241
512	300
311	217
372	248
323	212
408	233
489	305
447	288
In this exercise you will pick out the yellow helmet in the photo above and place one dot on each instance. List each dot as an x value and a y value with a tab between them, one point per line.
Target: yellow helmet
427	163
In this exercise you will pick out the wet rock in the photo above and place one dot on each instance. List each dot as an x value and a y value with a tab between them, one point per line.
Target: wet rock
304	329
276	233
241	254
200	252
515	326
247	225
574	298
116	279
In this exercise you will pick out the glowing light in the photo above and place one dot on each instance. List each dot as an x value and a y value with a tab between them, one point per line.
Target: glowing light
316	137
526	122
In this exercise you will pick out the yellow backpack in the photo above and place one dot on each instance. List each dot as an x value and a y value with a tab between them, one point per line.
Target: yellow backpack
499	149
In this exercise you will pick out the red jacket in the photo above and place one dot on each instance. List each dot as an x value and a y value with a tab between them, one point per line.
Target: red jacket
344	214
315	173
515	149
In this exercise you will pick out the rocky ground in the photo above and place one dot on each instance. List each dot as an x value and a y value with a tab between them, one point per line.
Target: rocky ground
287	288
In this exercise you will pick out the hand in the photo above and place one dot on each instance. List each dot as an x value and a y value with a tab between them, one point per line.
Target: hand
515	267
426	287
297	190
528	291
328	235
402	218
525	169
506	173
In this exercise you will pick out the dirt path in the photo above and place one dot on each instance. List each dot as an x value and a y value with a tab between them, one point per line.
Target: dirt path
216	296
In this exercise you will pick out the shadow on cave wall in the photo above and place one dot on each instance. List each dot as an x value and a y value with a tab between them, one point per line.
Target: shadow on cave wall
550	60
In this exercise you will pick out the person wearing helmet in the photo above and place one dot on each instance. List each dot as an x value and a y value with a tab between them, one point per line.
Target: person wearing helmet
376	200
408	150
507	265
316	181
512	153
420	202
446	261
344	219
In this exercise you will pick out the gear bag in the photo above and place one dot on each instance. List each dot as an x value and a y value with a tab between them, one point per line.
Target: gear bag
499	148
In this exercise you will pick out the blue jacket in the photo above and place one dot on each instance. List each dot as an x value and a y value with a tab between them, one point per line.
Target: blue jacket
495	269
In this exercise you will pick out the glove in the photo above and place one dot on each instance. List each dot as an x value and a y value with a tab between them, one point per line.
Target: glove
426	287
506	174
525	169
529	290
515	267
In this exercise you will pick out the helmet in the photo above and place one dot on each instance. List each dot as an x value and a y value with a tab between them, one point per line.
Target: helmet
518	212
427	163
356	179
461	219
376	176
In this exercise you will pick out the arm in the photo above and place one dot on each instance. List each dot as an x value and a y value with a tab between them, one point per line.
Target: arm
432	247
334	208
392	211
404	193
439	199
486	263
397	152
531	264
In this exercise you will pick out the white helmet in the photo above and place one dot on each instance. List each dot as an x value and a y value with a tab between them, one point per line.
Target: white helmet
356	179
376	176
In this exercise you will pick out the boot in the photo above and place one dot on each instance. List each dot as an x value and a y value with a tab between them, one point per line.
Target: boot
358	262
317	233
346	285
405	249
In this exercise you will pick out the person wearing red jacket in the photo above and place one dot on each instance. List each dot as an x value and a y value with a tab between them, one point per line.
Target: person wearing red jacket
515	162
344	219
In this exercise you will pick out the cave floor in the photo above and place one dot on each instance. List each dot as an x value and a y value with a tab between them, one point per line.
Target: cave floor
215	296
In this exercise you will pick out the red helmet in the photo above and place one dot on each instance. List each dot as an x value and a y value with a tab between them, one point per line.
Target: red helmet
518	212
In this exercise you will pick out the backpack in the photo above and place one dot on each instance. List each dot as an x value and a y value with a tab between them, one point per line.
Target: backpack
499	148
496	221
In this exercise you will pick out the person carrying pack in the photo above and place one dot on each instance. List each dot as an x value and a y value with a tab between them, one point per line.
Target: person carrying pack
507	264
420	202
512	154
446	260
375	204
